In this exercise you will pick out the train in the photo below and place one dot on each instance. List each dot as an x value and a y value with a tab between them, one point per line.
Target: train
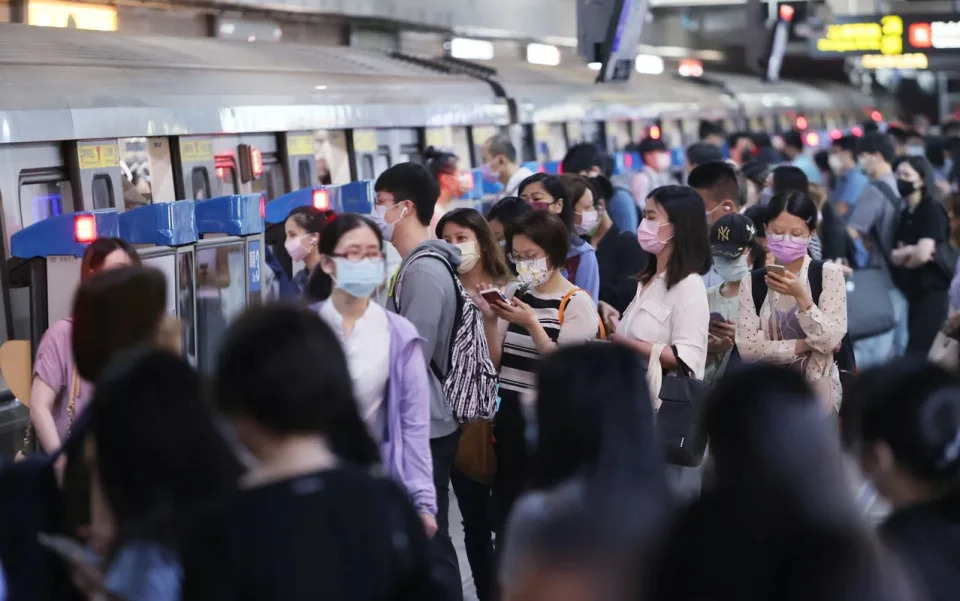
92	121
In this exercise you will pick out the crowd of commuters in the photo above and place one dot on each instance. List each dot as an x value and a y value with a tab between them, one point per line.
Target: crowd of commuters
317	462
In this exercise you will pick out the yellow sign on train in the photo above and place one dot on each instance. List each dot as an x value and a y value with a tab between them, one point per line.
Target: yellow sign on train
194	151
365	140
300	144
71	15
97	156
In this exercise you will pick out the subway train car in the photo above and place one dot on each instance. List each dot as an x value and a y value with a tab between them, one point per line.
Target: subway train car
92	121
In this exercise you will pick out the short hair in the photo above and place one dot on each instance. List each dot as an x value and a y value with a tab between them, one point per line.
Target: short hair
691	250
302	386
735	137
440	162
500	144
547	231
507	210
709	128
96	253
847	143
115	311
320	284
412	182
788	177
556	187
798	204
652	145
699	153
898	133
602	189
582	157
490	254
756	171
877	143
793	138
716	180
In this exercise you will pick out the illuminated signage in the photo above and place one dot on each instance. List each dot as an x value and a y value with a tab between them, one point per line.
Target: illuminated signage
896	61
853	35
71	15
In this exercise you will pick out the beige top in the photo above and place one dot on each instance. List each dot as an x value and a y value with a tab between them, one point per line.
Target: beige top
824	324
679	316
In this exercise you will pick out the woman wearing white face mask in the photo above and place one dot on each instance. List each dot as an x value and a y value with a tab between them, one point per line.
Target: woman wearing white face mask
549	311
481	262
303	227
731	239
383	353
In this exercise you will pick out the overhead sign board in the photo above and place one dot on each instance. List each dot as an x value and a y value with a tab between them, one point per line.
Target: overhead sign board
904	39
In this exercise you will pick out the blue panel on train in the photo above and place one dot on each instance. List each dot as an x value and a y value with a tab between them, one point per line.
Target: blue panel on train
551	167
236	215
626	162
677	157
64	234
485	184
162	224
532	166
278	209
355	197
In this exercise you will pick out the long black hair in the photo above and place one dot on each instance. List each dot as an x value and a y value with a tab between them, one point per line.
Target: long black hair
925	170
302	385
798	204
159	451
691	244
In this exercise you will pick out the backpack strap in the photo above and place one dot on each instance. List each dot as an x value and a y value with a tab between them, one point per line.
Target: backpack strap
758	285
815	277
563	307
458	296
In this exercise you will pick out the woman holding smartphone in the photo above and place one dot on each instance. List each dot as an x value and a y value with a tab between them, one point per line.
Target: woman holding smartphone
789	328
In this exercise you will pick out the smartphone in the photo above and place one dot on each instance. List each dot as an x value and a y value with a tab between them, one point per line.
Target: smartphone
777	269
716	317
71	550
493	296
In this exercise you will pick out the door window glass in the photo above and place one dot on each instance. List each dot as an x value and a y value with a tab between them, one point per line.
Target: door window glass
102	192
270	183
200	183
185	300
41	200
221	295
135	166
303	174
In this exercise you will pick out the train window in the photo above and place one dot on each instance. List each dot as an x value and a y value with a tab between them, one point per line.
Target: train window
102	192
333	161
43	195
381	161
410	153
303	174
270	183
200	183
221	295
366	166
135	166
227	174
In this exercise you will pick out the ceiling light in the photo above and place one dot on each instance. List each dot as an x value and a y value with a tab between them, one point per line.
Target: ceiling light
543	54
469	49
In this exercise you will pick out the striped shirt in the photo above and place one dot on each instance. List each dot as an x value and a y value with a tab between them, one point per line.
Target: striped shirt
518	363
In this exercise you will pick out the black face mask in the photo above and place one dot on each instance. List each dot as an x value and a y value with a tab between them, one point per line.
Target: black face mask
906	188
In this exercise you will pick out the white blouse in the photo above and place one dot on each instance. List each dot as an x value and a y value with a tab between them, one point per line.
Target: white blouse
679	317
824	324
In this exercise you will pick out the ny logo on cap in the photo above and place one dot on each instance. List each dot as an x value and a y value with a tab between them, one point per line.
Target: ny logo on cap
723	233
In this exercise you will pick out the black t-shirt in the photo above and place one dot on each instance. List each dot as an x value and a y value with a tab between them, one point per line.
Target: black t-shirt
334	535
619	257
927	220
926	538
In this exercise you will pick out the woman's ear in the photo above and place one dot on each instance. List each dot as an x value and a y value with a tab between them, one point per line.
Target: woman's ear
327	265
557	207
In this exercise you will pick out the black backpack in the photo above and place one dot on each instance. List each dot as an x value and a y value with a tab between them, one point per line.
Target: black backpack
844	358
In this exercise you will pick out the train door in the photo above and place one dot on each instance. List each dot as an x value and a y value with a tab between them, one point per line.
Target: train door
94	168
194	160
479	135
248	164
551	141
451	139
594	132
618	135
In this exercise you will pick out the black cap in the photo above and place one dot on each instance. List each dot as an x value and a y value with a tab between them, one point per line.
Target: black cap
731	234
652	145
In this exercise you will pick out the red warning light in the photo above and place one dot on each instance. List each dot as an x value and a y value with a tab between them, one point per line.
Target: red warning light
628	161
786	12
256	162
813	139
801	122
856	131
263	206
559	168
876	116
321	199
85	228
221	172
835	134
920	35
655	132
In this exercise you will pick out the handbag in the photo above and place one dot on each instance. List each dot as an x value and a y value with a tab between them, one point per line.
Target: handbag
29	434
681	397
869	310
476	457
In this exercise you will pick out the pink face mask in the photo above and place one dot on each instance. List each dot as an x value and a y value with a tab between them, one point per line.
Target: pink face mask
785	248
648	236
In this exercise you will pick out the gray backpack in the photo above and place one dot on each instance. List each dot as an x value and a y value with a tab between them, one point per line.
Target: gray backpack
470	384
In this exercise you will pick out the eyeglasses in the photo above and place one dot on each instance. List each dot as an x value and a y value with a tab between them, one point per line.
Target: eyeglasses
358	254
515	258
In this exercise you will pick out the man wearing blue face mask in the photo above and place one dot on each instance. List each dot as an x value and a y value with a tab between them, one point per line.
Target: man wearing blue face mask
731	238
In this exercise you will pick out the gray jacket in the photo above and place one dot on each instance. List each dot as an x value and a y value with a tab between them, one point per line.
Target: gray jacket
429	302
